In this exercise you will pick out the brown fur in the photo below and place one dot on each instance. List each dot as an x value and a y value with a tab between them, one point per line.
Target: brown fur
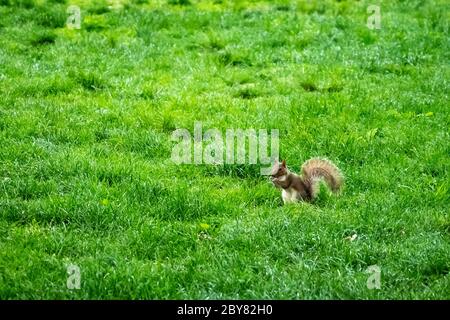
306	186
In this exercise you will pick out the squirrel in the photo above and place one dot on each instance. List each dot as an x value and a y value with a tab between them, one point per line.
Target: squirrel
305	187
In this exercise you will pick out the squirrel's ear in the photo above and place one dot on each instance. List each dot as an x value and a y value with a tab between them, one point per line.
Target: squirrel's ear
283	164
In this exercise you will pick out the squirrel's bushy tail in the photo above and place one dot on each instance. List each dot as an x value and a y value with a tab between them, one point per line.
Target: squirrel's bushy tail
316	169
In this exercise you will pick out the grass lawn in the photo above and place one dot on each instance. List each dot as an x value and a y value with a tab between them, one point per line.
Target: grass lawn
87	179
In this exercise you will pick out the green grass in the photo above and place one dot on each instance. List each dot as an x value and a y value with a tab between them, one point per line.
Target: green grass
86	176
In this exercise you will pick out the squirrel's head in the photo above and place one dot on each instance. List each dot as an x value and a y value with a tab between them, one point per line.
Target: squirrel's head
279	171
